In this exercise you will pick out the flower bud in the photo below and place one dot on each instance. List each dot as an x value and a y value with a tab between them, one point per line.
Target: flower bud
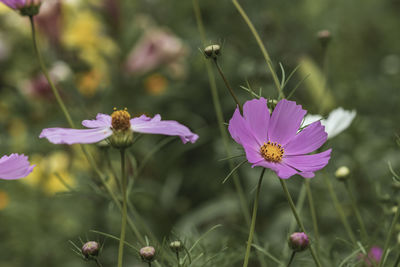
90	249
30	8
324	37
212	51
298	241
176	246
342	173
147	253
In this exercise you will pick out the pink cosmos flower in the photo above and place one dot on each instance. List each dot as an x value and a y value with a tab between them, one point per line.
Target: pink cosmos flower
105	125
18	4
14	167
275	142
374	256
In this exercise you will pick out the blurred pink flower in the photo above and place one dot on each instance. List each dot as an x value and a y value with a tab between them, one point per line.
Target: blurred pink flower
19	4
374	256
155	48
14	167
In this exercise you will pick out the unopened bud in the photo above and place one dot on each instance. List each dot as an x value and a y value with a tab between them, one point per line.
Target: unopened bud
342	173
176	246
147	253
90	249
324	37
298	241
212	51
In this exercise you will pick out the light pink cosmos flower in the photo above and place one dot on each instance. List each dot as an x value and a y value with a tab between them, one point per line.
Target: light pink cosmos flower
274	141
105	125
14	167
18	4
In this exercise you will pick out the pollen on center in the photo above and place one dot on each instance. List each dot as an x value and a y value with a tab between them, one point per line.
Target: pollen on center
272	152
120	119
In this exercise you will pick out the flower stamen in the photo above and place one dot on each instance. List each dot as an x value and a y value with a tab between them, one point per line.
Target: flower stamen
120	120
272	152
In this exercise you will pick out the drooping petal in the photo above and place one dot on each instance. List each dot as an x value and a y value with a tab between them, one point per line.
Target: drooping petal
309	163
308	140
256	114
338	121
101	121
14	167
156	126
239	130
285	121
75	136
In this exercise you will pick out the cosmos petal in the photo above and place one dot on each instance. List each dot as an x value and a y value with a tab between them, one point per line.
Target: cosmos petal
285	121
239	130
101	121
75	136
256	114
309	163
14	167
309	139
155	125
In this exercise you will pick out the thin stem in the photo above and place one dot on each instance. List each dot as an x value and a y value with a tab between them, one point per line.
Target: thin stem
46	74
397	261
291	258
262	47
356	210
98	262
228	85
299	222
390	235
124	209
178	259
313	213
149	264
253	220
339	210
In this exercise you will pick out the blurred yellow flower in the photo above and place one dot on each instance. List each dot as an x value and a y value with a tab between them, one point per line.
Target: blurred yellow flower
155	84
4	200
51	173
89	82
4	8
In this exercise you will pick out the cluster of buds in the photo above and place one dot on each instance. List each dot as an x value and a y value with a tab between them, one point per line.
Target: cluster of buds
25	7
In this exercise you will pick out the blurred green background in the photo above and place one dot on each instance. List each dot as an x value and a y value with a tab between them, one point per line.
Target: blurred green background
146	56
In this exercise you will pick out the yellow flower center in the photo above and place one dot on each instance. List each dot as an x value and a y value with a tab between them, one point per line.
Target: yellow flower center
120	120
272	152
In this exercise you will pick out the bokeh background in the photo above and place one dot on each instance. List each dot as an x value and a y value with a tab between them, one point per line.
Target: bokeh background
146	56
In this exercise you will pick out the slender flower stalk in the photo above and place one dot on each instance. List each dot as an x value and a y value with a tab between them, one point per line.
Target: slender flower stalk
253	220
390	236
227	84
46	74
356	210
291	258
98	263
313	213
262	47
339	210
124	208
299	222
396	264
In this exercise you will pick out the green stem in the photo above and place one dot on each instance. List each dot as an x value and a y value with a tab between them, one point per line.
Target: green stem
291	258
390	235
262	47
177	258
397	261
228	85
253	220
356	210
339	210
124	208
46	74
313	213
299	222
98	262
